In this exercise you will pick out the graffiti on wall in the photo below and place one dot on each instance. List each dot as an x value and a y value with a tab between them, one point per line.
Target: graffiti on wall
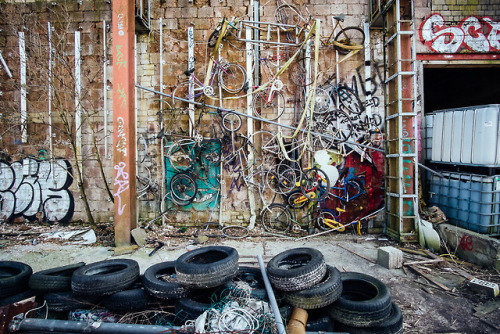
473	34
29	186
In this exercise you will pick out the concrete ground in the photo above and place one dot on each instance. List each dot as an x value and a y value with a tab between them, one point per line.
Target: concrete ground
426	307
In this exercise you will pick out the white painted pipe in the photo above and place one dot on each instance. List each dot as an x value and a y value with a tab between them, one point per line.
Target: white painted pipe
272	298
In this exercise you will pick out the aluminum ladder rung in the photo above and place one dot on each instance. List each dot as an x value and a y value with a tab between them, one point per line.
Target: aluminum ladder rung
407	99
396	195
404	114
401	155
400	33
400	74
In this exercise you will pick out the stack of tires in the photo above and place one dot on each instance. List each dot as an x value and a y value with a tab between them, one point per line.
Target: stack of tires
193	281
14	278
186	284
304	280
350	302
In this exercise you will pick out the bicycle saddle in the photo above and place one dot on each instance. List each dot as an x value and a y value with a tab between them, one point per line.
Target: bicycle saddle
340	17
189	72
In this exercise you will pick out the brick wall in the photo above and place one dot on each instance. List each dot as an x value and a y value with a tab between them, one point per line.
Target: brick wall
176	16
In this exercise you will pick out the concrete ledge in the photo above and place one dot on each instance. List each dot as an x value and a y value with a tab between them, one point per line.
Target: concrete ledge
471	246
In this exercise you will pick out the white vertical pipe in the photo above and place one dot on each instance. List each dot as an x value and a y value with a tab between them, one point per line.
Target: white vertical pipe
270	295
78	93
105	90
251	194
368	70
161	67
162	142
49	35
22	68
308	74
191	80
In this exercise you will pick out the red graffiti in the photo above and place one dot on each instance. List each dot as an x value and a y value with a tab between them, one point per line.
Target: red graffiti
466	243
473	33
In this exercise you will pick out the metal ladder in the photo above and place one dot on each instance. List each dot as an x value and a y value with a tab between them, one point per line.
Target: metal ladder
401	121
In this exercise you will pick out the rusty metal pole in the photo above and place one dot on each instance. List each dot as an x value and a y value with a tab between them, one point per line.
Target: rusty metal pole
124	120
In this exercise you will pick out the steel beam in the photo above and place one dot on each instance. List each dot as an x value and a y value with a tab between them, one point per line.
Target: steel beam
125	207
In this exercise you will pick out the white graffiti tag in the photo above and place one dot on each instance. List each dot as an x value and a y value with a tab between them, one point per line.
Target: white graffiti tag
474	34
28	187
122	181
121	145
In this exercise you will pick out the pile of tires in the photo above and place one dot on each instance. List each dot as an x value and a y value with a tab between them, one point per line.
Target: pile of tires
14	278
350	302
365	306
303	279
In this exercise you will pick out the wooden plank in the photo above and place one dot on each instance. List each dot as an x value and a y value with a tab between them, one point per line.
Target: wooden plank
430	279
412	251
423	262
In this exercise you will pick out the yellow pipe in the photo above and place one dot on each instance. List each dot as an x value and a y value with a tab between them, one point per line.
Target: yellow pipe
298	321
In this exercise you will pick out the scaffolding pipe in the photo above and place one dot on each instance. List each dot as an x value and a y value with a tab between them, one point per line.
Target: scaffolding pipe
65	326
272	299
105	91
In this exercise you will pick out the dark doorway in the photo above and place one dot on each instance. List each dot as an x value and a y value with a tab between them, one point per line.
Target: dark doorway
446	88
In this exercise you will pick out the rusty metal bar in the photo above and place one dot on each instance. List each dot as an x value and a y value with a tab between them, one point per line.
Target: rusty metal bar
125	207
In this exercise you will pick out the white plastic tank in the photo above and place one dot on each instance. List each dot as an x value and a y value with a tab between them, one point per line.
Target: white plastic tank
468	135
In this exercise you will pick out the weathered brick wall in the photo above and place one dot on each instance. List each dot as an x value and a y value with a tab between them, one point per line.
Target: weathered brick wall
176	17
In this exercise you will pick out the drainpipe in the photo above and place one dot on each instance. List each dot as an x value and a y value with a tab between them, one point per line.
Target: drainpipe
65	326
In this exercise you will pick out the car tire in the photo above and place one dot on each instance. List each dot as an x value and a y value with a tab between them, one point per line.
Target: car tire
104	278
159	288
14	278
55	279
296	269
320	295
364	302
207	267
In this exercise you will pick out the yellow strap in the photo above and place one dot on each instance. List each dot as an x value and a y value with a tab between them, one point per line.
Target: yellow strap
311	99
214	52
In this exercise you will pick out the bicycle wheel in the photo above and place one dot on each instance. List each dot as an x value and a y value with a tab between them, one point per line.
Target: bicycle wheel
276	218
354	188
287	178
314	184
231	122
183	187
339	126
197	94
287	14
327	220
349	37
214	36
296	200
349	99
238	153
297	73
180	155
142	183
323	101
268	104
232	78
